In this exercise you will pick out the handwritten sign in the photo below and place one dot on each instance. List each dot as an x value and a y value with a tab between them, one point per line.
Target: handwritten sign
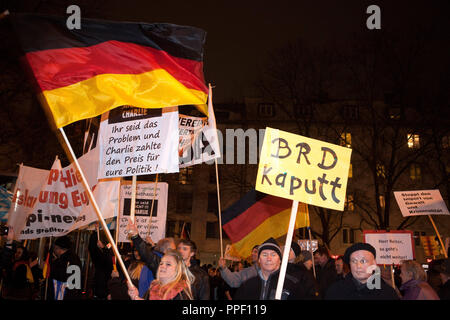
392	247
144	198
420	202
303	169
134	142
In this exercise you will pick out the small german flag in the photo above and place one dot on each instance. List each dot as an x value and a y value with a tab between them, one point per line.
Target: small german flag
83	73
258	216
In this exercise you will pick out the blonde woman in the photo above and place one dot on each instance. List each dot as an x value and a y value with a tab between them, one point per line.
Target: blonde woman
414	282
173	280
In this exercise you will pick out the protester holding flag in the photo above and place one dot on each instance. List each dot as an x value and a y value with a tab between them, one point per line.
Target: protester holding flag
64	257
360	257
200	287
263	286
414	285
173	280
101	257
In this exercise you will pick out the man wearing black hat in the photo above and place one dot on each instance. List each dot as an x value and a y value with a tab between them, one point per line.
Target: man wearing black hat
358	284
444	272
59	288
264	285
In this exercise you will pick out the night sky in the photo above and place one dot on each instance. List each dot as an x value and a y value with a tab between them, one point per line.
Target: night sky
240	34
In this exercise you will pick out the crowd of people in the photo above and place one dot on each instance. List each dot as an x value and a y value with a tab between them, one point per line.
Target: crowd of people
169	270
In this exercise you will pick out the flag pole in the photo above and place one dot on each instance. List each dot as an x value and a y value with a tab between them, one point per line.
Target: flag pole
96	208
310	240
118	217
133	198
46	277
220	211
287	248
439	236
153	202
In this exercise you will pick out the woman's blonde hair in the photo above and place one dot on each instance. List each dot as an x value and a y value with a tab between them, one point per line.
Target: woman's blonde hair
416	269
182	274
135	268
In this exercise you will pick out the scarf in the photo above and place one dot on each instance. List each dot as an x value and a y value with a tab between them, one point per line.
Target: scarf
157	294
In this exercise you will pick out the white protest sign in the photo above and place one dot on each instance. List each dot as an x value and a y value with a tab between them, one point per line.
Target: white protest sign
391	247
420	202
54	202
136	141
199	141
305	245
144	197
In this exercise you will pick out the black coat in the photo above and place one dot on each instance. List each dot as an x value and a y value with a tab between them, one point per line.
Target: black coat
200	287
151	257
310	287
351	289
326	276
257	288
444	291
103	265
58	271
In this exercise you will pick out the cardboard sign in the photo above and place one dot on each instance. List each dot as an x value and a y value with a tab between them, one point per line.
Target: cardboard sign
392	247
303	169
305	245
420	202
135	141
144	197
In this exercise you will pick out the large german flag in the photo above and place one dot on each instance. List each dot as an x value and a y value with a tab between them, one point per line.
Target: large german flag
257	217
83	73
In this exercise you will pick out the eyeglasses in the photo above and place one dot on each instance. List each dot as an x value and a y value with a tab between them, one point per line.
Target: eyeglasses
362	261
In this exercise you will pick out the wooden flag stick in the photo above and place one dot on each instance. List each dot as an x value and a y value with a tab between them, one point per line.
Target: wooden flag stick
287	248
439	236
118	219
94	204
153	202
133	199
220	211
310	241
46	278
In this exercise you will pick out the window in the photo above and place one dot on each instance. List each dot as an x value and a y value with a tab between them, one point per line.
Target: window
170	228
185	175
212	202
348	235
350	171
184	202
394	113
266	110
382	202
349	204
446	142
303	111
346	139
417	235
212	230
350	112
381	172
415	173
413	141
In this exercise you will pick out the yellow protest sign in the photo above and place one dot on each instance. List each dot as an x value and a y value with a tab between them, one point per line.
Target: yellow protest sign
303	169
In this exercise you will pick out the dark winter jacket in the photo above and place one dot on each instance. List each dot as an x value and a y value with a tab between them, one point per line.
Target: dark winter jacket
103	266
352	289
151	257
444	291
306	280
200	287
58	272
257	288
326	276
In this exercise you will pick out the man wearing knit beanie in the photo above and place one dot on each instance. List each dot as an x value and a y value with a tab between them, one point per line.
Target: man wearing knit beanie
263	286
